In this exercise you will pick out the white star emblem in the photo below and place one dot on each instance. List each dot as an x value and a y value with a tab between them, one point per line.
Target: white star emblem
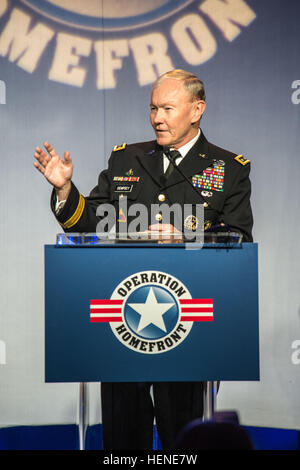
151	312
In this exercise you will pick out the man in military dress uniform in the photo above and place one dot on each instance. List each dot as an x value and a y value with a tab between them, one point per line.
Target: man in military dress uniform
147	173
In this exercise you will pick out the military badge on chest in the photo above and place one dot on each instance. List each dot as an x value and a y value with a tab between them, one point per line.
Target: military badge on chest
211	179
124	186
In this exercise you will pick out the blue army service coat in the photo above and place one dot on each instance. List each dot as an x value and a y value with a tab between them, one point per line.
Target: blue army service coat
207	175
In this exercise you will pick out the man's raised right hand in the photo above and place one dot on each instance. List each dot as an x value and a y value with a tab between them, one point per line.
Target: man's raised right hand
56	170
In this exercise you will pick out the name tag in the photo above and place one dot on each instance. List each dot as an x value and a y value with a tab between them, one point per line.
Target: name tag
123	188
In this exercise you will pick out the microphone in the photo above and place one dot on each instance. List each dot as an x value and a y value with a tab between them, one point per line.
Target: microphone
171	156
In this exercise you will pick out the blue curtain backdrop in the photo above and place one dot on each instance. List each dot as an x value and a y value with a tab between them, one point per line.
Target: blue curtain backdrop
79	75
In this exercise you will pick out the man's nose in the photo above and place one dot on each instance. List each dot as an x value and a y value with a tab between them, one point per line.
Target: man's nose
158	116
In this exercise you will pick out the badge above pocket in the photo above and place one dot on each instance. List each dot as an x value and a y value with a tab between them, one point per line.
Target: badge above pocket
125	186
212	178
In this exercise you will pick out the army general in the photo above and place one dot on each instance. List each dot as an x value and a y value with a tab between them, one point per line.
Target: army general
179	167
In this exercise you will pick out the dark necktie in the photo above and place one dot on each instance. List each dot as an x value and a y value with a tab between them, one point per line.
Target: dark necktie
173	156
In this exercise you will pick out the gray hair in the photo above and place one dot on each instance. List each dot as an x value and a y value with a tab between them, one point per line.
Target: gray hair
191	82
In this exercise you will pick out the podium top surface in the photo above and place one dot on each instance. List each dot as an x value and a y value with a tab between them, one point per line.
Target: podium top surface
218	240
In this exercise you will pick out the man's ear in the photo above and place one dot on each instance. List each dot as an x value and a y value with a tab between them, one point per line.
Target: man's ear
199	108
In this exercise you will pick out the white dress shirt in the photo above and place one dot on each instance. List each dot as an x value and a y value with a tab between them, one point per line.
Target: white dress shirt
183	151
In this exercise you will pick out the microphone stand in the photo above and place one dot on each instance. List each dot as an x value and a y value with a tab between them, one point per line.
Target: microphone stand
171	159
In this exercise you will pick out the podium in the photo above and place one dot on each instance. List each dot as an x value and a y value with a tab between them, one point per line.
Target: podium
143	312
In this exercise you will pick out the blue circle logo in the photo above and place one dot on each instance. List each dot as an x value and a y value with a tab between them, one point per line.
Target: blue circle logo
107	15
151	312
148	316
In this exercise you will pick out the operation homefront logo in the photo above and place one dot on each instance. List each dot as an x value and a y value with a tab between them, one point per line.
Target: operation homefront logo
151	312
78	40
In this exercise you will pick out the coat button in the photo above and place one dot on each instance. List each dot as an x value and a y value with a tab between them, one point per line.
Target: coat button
161	197
158	217
205	204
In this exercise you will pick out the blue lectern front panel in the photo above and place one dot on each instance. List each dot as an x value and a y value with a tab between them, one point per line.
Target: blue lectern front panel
139	313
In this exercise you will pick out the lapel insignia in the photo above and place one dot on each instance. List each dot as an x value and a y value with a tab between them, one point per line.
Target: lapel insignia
242	160
119	147
202	155
211	179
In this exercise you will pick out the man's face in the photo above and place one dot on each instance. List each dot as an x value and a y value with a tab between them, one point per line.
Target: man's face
174	115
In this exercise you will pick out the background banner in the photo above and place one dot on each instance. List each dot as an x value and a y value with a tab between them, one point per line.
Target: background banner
79	74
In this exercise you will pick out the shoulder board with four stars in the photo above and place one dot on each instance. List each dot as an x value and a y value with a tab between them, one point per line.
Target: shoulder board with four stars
242	160
119	147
